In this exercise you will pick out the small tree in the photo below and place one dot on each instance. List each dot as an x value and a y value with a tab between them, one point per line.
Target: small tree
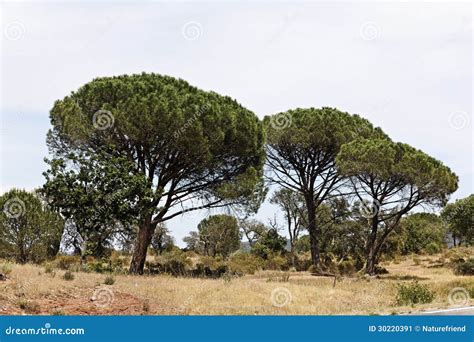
293	207
193	242
99	199
252	229
29	230
162	240
459	217
421	232
219	235
390	179
270	243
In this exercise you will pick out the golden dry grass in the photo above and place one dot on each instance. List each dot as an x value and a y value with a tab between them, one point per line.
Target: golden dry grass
257	294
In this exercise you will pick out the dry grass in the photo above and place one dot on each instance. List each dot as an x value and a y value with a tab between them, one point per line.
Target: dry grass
300	294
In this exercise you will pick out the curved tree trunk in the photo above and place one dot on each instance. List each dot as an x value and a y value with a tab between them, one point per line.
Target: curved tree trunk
370	248
145	233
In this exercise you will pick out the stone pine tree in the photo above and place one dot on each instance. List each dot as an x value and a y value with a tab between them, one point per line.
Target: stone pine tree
195	149
389	179
302	146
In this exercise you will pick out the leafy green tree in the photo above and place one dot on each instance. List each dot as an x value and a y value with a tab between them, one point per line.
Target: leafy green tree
389	179
302	146
252	229
194	243
459	217
302	245
196	149
99	199
219	235
29	230
268	244
421	232
162	240
342	232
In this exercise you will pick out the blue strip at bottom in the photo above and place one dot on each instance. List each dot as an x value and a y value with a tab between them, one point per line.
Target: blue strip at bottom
237	328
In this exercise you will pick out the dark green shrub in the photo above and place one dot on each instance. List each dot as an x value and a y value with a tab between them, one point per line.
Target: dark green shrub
241	263
413	293
175	267
433	248
66	262
380	270
99	267
276	262
109	280
6	268
465	268
175	263
269	244
68	276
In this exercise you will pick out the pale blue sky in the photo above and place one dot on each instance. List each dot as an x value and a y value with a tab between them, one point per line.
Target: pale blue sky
405	67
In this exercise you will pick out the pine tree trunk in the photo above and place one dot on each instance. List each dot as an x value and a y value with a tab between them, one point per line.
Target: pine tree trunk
370	248
145	233
313	232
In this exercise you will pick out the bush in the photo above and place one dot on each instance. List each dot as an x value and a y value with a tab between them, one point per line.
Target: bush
212	263
433	248
283	277
175	263
380	270
470	290
29	307
276	262
99	267
208	272
241	263
65	262
303	262
347	267
109	280
68	276
48	268
175	267
457	254
465	268
413	293
6	269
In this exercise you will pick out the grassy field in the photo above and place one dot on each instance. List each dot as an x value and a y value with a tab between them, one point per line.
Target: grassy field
29	290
